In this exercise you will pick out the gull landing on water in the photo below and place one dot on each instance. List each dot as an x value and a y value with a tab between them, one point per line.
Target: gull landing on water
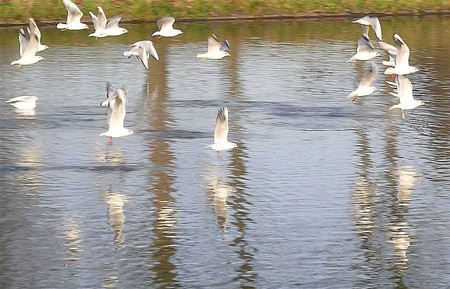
165	26
103	27
142	50
216	50
74	15
25	102
116	112
221	132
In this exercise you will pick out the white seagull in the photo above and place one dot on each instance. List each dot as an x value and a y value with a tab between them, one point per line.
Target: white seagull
402	66
74	15
405	93
34	29
216	50
28	48
26	102
116	112
364	51
142	50
365	84
221	132
165	26
374	22
103	27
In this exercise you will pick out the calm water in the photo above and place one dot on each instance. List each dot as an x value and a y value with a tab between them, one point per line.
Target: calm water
320	193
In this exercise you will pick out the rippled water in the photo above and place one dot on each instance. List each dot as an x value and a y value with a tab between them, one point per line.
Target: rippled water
320	193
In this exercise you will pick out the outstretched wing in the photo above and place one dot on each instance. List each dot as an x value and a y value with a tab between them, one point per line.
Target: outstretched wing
221	128
74	13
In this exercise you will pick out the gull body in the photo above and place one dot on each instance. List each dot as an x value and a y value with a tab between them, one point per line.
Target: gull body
103	27
116	112
165	26
365	84
34	29
26	102
216	50
28	48
402	66
74	15
364	51
221	132
142	50
373	22
405	94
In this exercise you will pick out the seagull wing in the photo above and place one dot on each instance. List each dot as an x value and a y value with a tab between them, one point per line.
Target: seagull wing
23	41
221	128
376	26
34	29
150	48
101	19
213	43
403	51
370	77
165	22
388	48
74	13
32	47
364	45
404	88
113	22
118	111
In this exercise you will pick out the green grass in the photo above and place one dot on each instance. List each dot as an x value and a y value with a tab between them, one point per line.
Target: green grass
149	10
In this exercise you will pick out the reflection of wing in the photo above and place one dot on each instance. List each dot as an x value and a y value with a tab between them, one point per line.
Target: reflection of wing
221	129
116	202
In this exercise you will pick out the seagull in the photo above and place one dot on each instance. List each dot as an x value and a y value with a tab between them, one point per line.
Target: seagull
103	27
364	51
165	26
28	48
216	50
116	112
221	132
391	52
34	29
405	93
374	22
402	66
142	50
365	84
25	102
74	15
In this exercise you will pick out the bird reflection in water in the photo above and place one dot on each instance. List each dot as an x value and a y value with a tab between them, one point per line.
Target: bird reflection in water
73	242
116	202
399	227
110	154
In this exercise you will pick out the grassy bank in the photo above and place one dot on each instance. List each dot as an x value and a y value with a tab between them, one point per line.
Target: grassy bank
16	11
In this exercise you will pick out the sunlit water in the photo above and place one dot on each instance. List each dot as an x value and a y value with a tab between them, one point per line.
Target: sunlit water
320	193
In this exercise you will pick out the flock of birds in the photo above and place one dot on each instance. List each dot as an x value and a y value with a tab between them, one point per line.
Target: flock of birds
398	65
30	44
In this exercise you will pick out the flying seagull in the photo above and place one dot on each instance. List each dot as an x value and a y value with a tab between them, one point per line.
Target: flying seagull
405	93
221	132
103	27
116	112
28	47
165	26
373	22
74	15
142	50
364	51
402	66
365	84
216	50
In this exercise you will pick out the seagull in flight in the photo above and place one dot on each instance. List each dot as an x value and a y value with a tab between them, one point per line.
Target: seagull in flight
216	49
364	51
165	26
405	93
365	84
28	47
142	50
402	66
221	132
103	27
74	15
373	22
